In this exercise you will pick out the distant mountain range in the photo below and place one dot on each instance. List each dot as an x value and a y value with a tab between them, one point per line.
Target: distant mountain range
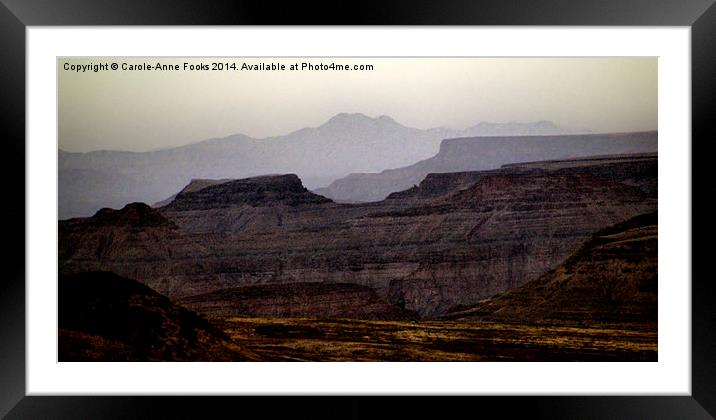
345	144
486	153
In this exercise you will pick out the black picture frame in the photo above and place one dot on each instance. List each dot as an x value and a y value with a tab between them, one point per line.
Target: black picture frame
16	15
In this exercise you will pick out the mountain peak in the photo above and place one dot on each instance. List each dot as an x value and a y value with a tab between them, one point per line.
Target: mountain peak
348	115
386	118
344	119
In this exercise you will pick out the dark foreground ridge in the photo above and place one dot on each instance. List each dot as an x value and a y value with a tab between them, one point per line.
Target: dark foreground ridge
106	317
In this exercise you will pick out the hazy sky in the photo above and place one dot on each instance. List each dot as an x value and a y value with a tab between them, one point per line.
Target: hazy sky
148	110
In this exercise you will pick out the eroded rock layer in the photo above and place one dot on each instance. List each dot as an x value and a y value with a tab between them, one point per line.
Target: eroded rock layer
459	238
612	278
297	300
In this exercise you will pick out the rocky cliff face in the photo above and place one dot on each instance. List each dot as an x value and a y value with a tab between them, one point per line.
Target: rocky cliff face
503	231
135	228
450	242
640	170
612	278
485	153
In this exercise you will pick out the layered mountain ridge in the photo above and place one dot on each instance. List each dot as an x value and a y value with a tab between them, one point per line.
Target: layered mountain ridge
453	240
318	155
486	153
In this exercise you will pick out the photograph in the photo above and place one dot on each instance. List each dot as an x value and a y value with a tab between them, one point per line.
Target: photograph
357	209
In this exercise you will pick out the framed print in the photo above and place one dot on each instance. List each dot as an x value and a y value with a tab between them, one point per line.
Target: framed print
478	200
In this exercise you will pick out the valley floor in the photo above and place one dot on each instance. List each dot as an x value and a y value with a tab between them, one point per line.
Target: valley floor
303	339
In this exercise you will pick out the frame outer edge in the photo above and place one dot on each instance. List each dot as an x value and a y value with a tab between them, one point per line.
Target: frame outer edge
12	212
703	99
365	12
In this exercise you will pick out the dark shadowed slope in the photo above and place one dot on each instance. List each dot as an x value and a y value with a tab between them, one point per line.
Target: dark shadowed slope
611	279
485	153
105	317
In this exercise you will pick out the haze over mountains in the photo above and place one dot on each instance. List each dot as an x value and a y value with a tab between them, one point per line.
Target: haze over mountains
345	144
484	153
